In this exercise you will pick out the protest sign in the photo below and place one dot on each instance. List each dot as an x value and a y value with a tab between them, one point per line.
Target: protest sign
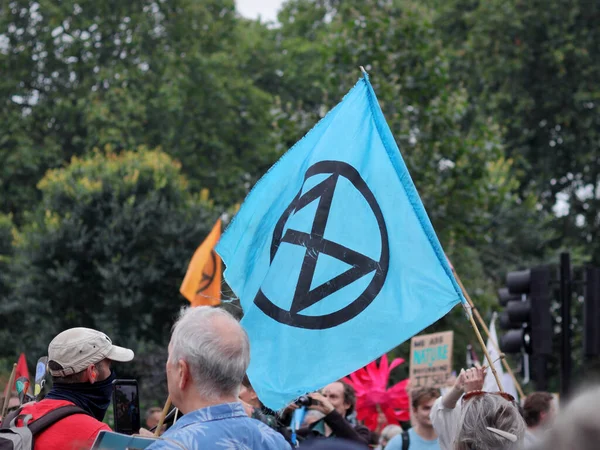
431	359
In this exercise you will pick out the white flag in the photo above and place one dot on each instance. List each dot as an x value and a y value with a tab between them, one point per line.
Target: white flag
490	384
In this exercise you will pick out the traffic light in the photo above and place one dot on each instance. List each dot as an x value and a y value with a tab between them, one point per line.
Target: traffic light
527	317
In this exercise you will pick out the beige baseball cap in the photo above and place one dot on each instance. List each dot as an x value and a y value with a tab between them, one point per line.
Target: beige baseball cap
77	348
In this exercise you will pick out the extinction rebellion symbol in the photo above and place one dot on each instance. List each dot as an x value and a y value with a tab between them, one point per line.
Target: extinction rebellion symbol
315	244
208	273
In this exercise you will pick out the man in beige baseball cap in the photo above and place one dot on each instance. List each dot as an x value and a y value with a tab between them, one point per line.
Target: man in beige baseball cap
79	360
78	349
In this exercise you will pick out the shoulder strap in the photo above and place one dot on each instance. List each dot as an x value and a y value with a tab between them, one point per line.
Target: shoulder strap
405	440
48	419
10	417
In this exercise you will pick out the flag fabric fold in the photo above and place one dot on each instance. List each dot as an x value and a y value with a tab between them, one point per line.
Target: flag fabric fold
489	384
202	282
333	256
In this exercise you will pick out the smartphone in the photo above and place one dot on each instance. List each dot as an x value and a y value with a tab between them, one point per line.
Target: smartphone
126	406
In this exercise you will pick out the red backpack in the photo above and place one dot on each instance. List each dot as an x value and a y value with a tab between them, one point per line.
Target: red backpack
13	437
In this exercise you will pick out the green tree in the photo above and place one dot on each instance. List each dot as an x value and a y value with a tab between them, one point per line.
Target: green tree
107	248
6	271
172	74
6	253
534	67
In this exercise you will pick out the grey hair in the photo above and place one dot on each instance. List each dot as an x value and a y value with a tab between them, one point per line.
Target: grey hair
216	348
578	425
489	410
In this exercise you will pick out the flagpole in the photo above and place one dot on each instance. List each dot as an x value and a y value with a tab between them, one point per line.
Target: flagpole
497	348
162	416
11	380
487	332
469	311
483	346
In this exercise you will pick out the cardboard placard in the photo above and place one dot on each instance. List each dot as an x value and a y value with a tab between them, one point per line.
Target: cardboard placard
431	359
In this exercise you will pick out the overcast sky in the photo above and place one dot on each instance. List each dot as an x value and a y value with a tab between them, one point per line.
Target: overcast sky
266	9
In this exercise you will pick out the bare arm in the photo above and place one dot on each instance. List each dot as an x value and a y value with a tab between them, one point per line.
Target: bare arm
467	381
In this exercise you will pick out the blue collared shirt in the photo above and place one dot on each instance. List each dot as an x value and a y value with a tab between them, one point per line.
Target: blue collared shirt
224	427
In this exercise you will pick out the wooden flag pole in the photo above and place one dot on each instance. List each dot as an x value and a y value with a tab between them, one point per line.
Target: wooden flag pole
11	380
502	357
162	416
485	352
487	332
469	311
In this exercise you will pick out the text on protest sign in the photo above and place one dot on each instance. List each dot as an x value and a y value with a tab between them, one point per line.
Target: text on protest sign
431	359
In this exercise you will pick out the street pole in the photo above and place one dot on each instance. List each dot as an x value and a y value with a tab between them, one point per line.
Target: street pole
565	295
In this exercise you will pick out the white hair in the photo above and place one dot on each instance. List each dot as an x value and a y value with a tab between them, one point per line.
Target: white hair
489	410
215	347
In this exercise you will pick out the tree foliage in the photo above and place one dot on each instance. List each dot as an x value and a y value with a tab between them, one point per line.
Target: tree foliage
534	67
85	74
106	248
6	253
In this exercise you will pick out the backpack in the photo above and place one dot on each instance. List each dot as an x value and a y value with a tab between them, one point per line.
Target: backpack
13	437
405	440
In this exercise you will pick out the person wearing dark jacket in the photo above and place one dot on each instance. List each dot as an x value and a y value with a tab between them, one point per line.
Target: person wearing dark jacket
337	402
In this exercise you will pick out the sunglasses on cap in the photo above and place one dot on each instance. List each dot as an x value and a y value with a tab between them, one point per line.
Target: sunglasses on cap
506	396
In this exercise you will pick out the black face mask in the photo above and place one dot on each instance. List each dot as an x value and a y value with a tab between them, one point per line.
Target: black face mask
93	398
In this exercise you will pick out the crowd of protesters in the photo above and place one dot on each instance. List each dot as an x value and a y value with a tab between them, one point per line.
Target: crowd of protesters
209	353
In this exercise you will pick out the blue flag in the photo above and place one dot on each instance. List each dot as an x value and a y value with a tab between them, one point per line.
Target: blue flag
333	256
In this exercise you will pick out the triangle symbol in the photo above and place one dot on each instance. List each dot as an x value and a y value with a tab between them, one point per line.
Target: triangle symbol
327	268
303	219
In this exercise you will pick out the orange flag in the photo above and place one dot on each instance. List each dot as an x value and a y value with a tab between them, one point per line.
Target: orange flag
202	282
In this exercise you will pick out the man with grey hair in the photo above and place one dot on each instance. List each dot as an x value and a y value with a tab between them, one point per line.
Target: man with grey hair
209	353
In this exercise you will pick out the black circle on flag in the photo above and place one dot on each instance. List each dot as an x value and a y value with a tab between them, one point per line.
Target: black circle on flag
315	244
208	273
